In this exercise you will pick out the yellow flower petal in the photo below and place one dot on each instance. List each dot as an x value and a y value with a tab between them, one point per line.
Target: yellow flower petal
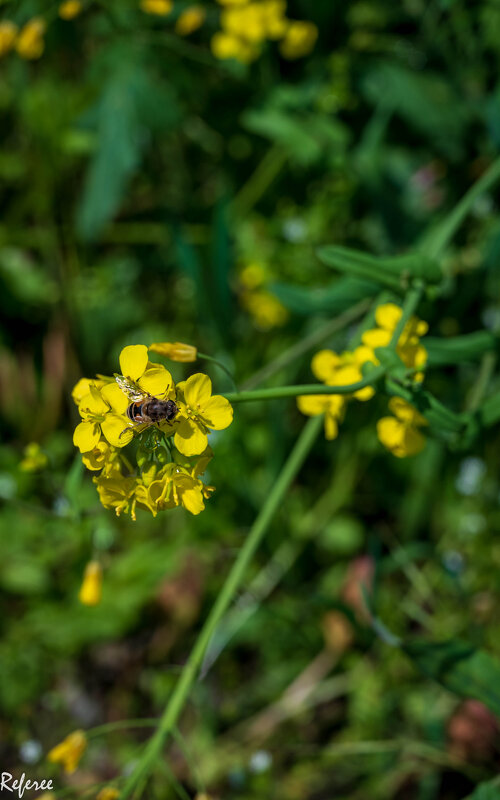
115	398
331	427
86	435
156	381
134	360
91	589
312	404
324	364
388	315
69	751
197	390
376	338
217	413
93	404
80	390
405	412
192	500
116	430
189	439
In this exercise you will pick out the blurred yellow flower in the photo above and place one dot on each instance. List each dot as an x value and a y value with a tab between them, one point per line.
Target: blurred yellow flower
409	349
108	793
275	22
8	33
226	46
200	412
70	9
299	40
253	275
159	7
400	433
69	751
176	351
331	405
34	458
190	20
91	588
344	369
30	43
265	309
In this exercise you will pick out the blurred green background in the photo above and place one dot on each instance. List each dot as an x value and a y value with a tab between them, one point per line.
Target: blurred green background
150	192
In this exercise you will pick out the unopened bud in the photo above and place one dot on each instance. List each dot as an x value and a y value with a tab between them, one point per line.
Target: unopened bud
91	588
176	351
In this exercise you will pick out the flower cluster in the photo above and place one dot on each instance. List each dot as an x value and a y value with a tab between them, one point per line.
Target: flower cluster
400	433
173	449
264	308
247	24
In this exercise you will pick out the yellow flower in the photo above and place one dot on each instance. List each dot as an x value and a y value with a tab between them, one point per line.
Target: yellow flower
265	309
409	349
246	22
117	491
253	275
30	43
159	7
225	46
200	412
275	22
232	2
8	33
99	456
344	369
190	20
331	405
82	387
70	9
102	412
400	433
299	40
34	458
150	378
173	486
108	793
91	588
69	751
176	351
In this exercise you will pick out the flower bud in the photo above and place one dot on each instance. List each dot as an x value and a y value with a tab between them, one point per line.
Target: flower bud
91	588
176	351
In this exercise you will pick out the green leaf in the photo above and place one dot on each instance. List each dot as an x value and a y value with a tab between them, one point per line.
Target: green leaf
458	349
460	668
130	101
490	790
336	297
395	272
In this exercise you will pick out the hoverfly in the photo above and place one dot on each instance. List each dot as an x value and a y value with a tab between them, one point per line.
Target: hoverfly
145	409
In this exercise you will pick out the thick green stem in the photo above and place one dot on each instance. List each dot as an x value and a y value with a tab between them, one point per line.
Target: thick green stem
233	581
309	388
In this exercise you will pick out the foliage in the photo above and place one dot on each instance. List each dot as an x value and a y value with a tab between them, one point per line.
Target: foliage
240	186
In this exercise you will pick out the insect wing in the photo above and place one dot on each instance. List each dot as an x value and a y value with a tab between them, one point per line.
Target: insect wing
133	392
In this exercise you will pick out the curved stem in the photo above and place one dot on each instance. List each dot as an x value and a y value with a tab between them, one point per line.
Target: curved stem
310	388
221	366
183	687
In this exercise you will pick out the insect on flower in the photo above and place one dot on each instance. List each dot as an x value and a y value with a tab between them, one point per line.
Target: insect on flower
145	409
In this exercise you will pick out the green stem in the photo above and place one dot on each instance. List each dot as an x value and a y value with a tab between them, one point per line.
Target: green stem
309	388
438	241
120	725
231	585
221	366
410	305
307	343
